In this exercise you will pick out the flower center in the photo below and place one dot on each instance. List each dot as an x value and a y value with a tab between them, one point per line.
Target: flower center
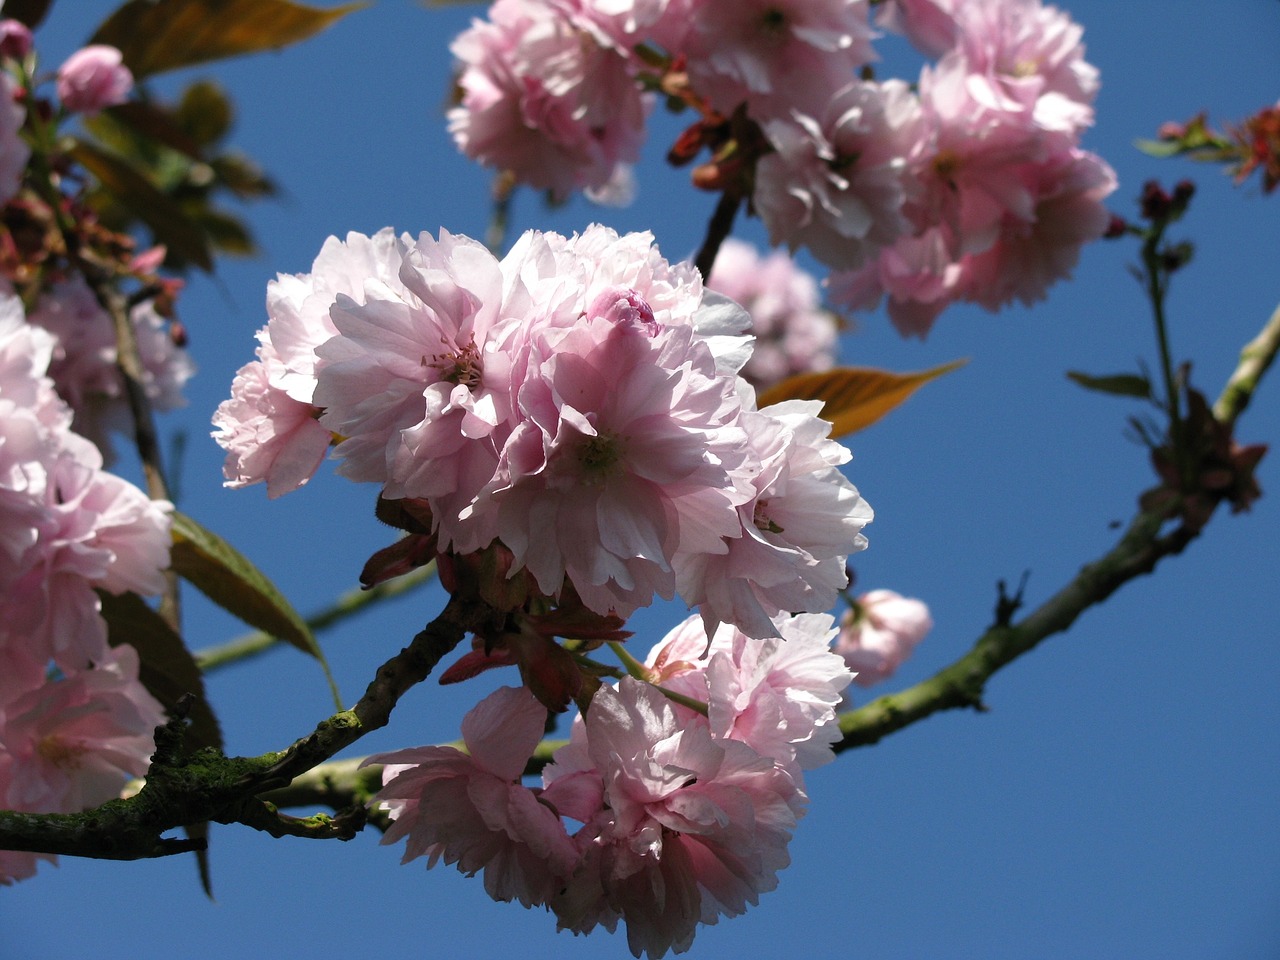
63	755
945	165
460	366
762	520
598	456
774	22
1025	68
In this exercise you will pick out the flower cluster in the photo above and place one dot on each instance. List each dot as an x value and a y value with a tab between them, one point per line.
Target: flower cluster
793	334
973	188
67	529
1002	197
84	368
577	402
685	815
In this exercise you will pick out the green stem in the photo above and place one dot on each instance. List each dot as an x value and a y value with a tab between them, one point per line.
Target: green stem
1255	358
1157	288
638	670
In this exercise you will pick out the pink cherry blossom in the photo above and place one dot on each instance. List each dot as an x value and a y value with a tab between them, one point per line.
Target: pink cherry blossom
877	637
1005	198
1028	257
799	522
84	363
68	526
615	440
777	695
546	98
695	827
93	78
414	381
918	276
793	52
269	425
74	741
793	334
1023	56
930	25
298	305
469	809
268	435
835	183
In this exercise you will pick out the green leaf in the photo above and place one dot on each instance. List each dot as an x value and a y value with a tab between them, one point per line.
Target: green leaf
205	112
159	35
168	670
151	122
228	233
149	203
1120	384
854	397
1160	148
242	176
224	575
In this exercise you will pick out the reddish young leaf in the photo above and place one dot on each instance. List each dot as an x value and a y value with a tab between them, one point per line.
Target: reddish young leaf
159	35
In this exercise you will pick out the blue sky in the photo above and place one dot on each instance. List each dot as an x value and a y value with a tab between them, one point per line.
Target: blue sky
1120	799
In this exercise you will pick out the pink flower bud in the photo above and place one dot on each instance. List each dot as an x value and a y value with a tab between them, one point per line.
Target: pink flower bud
15	39
93	78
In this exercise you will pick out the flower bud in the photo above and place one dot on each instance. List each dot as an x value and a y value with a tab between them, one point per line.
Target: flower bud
93	78
15	39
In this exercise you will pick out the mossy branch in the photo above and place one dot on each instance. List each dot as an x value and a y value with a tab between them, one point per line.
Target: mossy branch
1139	550
206	786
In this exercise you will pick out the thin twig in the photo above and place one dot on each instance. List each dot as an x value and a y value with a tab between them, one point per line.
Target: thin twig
718	230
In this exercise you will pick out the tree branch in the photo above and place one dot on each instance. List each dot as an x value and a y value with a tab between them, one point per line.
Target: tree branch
1255	358
718	230
1138	551
206	786
962	683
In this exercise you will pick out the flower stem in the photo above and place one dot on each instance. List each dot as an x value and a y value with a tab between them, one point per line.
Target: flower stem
638	670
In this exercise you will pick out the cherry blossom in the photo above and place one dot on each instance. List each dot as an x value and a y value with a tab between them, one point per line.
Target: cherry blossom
269	425
695	827
74	741
929	24
778	695
793	334
798	522
788	51
268	435
469	809
93	78
84	368
545	97
835	184
881	633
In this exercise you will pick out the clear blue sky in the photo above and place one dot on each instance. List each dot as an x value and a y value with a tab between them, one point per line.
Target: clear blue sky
1122	797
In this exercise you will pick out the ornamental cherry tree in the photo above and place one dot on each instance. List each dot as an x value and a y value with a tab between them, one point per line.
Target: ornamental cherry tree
558	430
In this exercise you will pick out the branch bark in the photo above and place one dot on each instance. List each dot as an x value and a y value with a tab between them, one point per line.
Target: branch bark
204	786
